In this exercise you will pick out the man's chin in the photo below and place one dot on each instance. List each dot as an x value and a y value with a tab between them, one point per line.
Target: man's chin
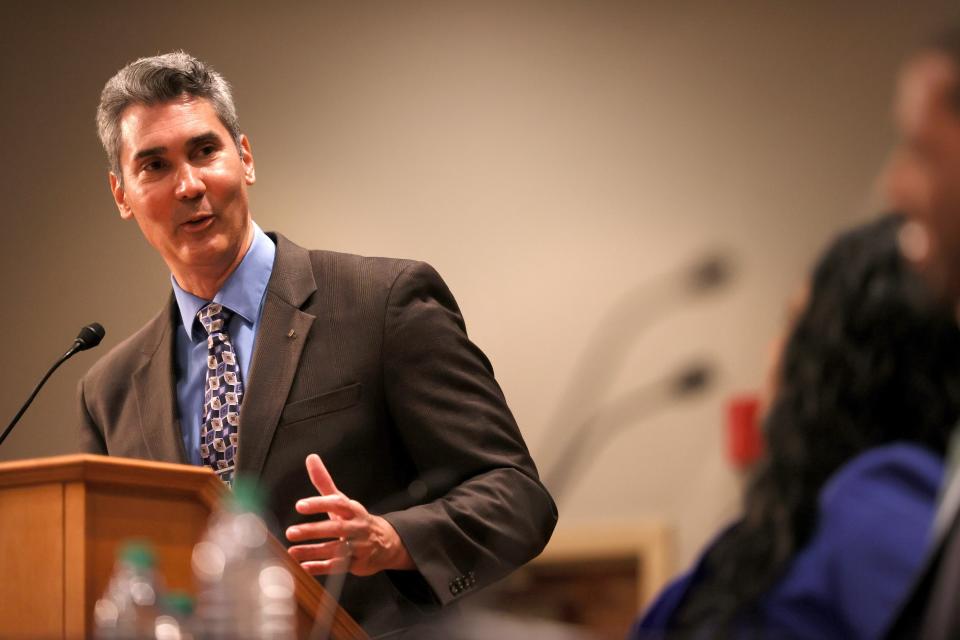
204	251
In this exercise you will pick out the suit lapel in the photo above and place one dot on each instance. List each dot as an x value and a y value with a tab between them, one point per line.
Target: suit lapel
280	340
153	384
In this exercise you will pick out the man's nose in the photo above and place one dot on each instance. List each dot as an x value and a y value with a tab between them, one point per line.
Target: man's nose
189	182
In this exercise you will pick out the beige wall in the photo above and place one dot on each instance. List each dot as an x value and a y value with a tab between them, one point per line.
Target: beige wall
548	158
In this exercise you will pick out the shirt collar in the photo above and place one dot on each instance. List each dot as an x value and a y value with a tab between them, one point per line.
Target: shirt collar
242	292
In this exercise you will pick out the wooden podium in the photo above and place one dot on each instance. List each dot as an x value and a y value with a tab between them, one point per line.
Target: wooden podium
63	519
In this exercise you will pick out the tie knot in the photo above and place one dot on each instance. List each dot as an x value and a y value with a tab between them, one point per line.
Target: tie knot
214	317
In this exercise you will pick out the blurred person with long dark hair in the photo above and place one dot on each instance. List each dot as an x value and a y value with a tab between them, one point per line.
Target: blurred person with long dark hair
923	181
837	514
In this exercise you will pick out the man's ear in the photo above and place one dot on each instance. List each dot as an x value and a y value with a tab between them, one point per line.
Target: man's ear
246	157
119	196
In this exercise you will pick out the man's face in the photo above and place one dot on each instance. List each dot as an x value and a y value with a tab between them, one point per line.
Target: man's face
923	177
185	184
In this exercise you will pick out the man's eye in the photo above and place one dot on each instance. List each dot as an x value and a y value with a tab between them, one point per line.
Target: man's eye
153	165
207	150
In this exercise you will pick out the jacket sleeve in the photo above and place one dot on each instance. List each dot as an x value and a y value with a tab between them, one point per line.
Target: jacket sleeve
90	437
875	523
490	513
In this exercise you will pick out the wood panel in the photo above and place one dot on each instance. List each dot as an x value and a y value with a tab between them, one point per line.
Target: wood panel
76	564
65	517
31	579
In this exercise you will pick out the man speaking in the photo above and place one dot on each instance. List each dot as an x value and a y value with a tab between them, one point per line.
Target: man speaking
314	372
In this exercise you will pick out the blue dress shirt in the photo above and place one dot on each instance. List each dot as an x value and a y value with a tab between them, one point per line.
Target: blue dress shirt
243	293
873	529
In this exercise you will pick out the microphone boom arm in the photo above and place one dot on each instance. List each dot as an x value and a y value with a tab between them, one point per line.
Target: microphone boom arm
90	336
36	390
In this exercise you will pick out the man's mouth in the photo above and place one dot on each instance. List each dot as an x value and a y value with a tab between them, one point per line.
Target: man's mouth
198	223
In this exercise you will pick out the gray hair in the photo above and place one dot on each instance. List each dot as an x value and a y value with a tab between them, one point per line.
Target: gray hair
155	80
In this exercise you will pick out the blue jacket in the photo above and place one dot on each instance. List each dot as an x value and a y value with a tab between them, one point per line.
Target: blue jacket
874	521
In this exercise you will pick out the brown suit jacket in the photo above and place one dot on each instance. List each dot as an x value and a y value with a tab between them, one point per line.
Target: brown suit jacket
366	362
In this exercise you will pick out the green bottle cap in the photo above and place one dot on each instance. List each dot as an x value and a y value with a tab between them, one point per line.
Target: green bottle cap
138	553
179	603
246	497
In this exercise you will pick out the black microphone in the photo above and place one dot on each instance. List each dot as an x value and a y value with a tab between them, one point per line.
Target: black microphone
89	337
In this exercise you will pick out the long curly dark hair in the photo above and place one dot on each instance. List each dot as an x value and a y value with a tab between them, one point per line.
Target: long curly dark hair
872	359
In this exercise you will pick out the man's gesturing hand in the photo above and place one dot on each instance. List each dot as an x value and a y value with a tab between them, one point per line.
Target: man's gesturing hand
351	539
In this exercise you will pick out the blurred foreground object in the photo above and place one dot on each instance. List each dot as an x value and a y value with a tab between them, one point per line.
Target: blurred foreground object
838	509
244	591
128	609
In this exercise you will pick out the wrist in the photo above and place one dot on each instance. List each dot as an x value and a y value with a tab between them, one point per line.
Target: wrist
395	554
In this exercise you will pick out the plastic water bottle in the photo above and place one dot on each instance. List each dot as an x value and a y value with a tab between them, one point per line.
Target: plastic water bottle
244	593
128	608
176	619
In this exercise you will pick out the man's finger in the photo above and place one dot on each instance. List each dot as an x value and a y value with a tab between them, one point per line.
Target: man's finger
326	529
320	551
319	475
324	567
335	505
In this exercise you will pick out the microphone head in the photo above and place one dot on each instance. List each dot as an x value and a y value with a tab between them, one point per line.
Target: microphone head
711	272
90	336
694	379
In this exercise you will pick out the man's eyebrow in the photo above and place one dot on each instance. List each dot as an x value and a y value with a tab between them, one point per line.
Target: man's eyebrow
152	151
209	136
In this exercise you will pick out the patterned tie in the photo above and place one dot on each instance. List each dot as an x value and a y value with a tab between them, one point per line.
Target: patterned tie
222	395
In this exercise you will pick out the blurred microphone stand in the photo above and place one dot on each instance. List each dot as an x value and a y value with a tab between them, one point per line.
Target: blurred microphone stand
607	349
622	412
323	623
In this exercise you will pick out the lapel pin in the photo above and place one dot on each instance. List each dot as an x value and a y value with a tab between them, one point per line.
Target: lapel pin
291	334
